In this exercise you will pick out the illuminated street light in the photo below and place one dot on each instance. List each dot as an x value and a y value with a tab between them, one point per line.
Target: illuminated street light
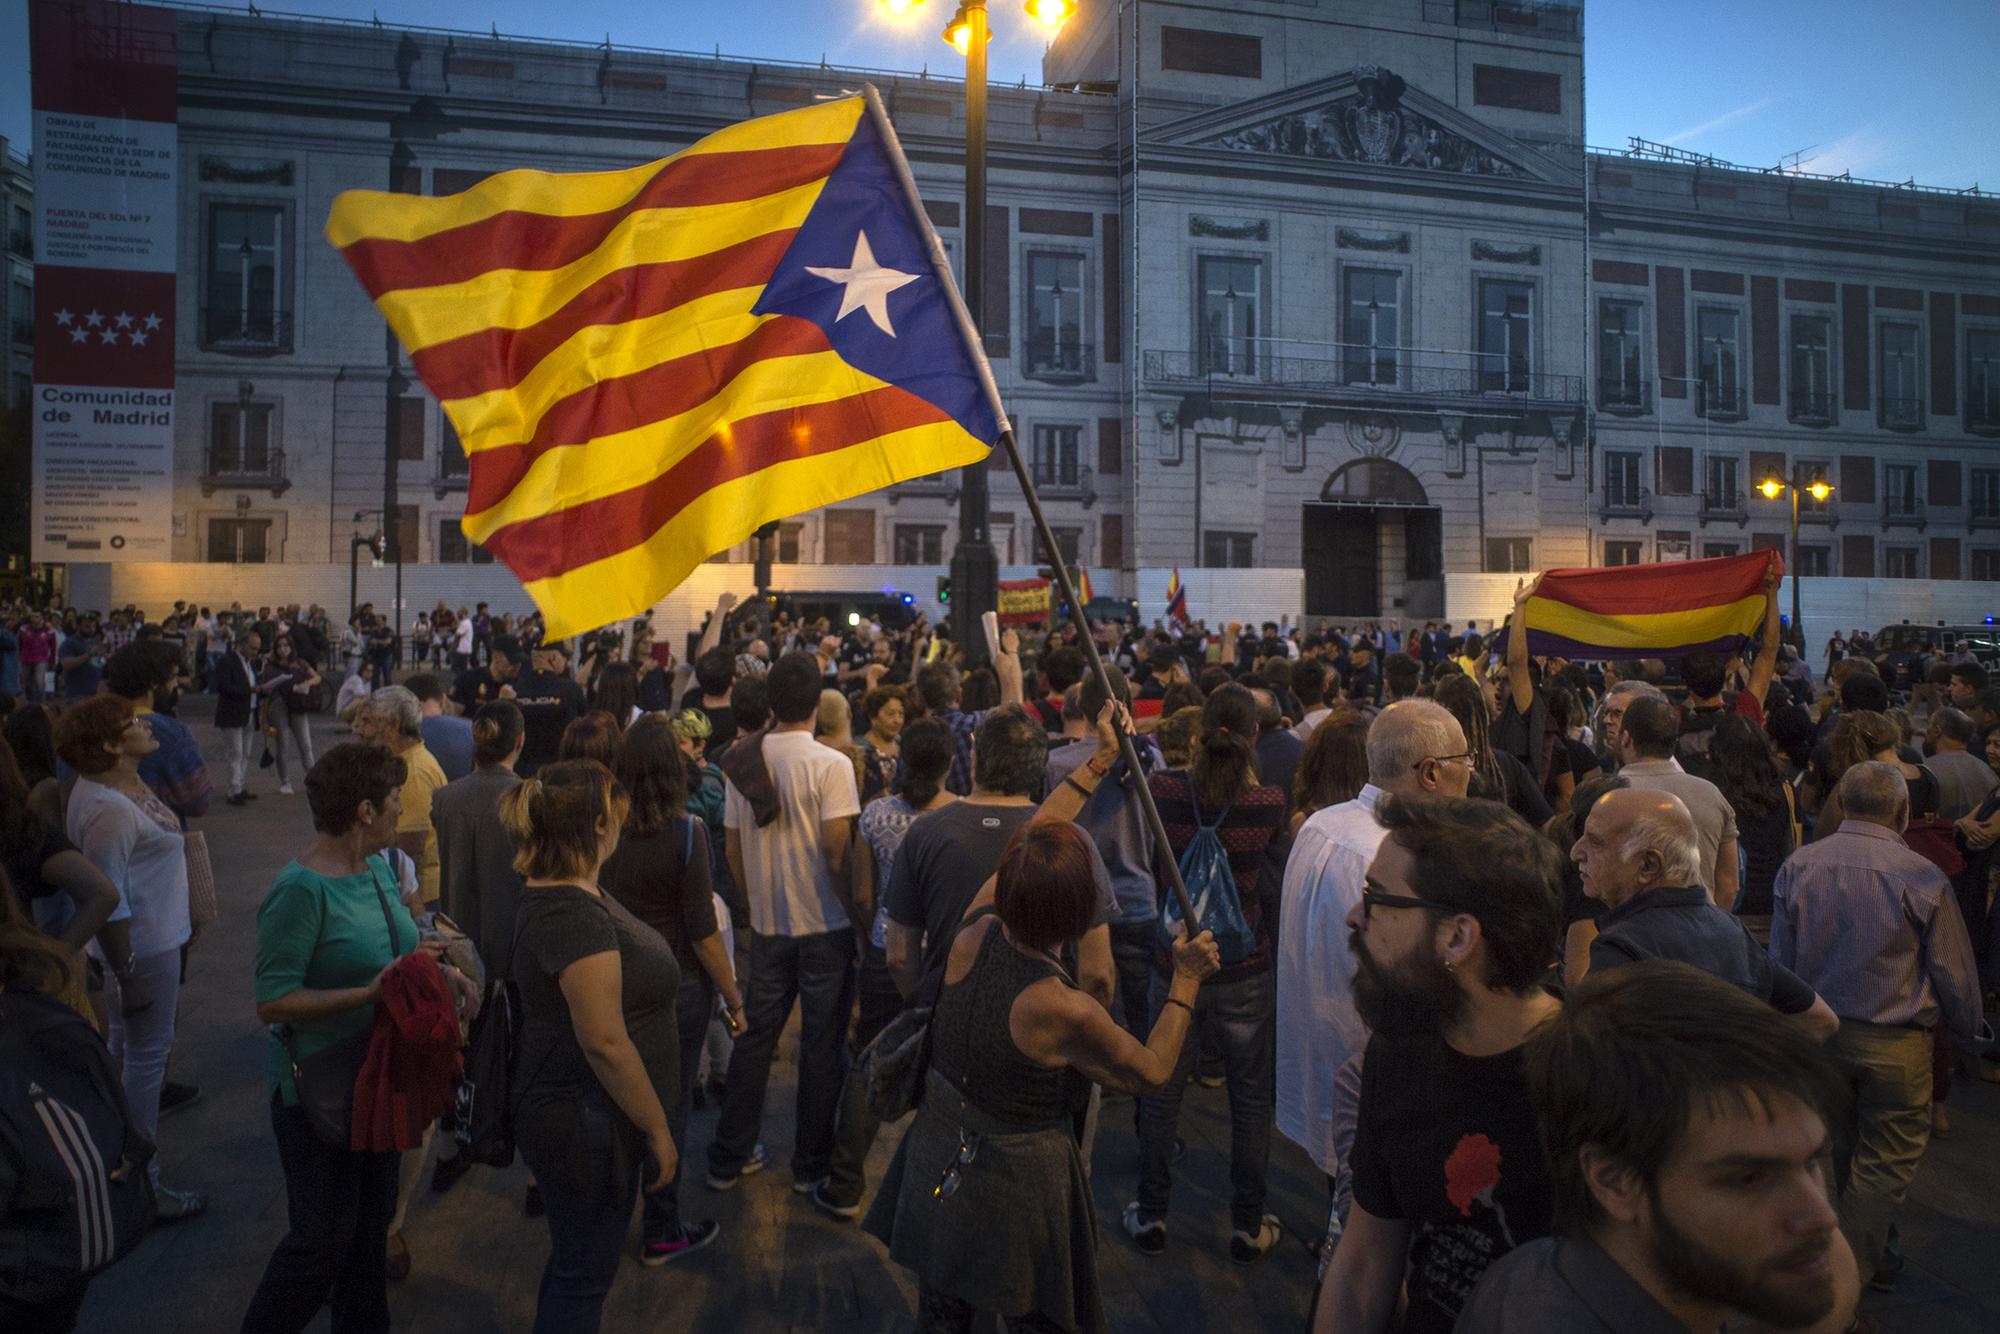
1771	488
1051	14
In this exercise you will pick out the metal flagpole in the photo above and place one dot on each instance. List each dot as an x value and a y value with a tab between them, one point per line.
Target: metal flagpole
942	267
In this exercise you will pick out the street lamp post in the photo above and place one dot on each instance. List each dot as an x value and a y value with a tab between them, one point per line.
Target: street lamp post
1774	485
975	567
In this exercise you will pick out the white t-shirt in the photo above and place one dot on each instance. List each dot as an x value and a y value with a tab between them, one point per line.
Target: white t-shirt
791	890
464	634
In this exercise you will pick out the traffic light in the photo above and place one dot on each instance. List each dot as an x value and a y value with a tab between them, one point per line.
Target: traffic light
944	590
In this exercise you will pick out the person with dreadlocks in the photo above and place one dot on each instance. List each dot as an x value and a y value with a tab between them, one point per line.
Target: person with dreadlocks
1497	775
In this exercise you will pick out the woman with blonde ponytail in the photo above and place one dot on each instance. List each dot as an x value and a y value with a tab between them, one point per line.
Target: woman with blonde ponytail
597	1064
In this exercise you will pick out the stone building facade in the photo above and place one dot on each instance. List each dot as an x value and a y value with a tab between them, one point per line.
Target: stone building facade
1314	291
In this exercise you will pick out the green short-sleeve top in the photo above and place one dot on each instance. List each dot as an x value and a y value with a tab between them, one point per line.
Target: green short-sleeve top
325	934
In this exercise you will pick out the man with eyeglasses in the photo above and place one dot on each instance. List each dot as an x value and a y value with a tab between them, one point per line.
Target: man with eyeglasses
1611	719
1455	932
1415	748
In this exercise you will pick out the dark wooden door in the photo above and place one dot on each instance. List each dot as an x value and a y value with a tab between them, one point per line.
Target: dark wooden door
1342	561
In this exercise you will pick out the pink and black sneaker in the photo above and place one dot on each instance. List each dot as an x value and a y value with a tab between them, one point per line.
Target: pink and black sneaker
673	1245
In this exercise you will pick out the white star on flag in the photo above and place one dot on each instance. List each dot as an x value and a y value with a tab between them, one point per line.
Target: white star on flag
152	323
123	320
93	319
110	337
867	284
138	337
63	317
79	335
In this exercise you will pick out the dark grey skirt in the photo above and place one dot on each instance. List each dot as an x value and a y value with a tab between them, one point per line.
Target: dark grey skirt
1018	1237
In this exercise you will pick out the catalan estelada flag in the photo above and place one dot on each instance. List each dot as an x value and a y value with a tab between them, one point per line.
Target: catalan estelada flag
1176	597
1650	611
644	366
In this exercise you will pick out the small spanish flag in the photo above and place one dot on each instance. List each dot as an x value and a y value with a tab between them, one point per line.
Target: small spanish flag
644	366
1650	611
1083	593
1176	598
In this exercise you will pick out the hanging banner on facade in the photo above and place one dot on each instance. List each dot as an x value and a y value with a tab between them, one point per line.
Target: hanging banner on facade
105	108
1024	601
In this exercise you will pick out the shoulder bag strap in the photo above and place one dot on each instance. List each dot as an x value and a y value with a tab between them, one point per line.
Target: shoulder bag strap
388	918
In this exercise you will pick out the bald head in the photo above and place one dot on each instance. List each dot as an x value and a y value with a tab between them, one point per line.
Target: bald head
1634	840
1407	748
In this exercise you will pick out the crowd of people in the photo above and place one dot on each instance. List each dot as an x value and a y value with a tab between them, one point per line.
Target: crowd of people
1606	996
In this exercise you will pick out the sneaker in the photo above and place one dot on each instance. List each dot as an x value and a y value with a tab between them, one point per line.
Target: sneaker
690	1238
284	789
448	1171
238	799
1245	1249
173	1097
826	1204
171	1206
807	1185
1151	1238
247	795
751	1167
1210	1081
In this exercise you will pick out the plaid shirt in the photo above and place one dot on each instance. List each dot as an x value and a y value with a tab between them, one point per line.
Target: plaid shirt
962	726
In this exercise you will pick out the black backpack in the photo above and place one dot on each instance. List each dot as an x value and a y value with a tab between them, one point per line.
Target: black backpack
75	1194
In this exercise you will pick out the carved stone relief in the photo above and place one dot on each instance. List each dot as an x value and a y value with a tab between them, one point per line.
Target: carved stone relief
1229	229
1388	242
1370	125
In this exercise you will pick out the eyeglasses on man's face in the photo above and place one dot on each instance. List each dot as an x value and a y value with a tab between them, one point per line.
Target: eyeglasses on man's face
1465	758
1372	899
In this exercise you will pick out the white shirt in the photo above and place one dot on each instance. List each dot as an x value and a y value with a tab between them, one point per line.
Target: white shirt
464	644
1318	1028
791	889
1310	723
146	864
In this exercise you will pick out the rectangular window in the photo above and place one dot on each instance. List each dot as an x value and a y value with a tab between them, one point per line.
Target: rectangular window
1986	565
1057	450
1721	482
452	463
409	427
1509	555
1982	378
1621	553
919	544
1715	550
1899	490
1983	495
1227	551
1069	541
1621	480
1055	315
244	291
1814	562
1000	531
791	536
1902	398
1506	336
1619	349
239	441
1230	291
850	537
1369	326
1812	368
1676	463
1516	89
239	541
1899	562
1201	51
453	548
1718	355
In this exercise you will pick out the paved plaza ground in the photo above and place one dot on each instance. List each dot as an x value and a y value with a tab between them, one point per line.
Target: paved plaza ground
780	1264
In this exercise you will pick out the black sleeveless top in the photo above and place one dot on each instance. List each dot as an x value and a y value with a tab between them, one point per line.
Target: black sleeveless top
972	1046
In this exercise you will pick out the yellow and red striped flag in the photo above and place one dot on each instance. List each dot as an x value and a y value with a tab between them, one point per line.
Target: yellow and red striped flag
644	366
1083	593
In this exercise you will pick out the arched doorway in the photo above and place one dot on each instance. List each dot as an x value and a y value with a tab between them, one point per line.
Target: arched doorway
1373	544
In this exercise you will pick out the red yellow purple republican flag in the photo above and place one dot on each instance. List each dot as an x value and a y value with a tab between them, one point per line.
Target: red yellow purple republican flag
1176	597
1650	611
644	366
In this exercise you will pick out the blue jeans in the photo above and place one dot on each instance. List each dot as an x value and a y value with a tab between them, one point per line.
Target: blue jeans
1238	1019
818	973
586	1161
1132	952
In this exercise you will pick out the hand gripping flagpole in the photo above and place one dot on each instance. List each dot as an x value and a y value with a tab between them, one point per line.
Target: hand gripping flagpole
942	266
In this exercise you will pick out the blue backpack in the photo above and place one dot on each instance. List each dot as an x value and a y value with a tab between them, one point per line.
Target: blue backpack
1211	884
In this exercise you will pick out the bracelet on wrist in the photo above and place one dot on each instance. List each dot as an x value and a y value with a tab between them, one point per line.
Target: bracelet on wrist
1101	770
1172	1000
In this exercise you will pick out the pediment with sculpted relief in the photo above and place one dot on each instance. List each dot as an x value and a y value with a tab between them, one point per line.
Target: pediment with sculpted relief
1370	116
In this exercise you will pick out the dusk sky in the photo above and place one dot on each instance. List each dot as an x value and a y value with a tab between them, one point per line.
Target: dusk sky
1884	92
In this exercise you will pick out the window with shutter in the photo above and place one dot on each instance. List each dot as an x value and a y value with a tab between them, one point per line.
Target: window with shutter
1857	479
850	537
1676	470
1857	557
409	426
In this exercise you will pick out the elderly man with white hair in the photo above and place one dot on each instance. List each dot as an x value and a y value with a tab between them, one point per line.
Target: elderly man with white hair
1415	748
1876	928
1611	719
1640	855
392	717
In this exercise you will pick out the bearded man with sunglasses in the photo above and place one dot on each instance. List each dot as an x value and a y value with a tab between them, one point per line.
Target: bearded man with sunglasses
1457	928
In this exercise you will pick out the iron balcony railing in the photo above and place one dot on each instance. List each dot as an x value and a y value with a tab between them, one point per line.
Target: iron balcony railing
1812	406
235	466
1901	413
1064	482
1725	504
1057	361
251	332
1626	502
1357	371
1718	400
1982	407
1902	511
1621	395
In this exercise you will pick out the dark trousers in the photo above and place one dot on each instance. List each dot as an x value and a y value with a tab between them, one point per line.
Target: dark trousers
1238	1019
857	1125
335	1253
818	973
1132	951
586	1161
53	1315
692	1011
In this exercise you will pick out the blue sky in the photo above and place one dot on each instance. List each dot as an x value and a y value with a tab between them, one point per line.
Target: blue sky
1883	91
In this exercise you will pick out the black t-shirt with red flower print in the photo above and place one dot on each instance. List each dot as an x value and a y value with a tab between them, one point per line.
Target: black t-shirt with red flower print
1447	1143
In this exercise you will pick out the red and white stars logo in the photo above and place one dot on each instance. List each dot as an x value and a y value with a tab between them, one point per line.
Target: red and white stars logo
135	330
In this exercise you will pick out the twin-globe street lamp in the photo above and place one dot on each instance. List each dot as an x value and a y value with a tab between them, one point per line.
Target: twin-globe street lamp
975	568
1771	488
